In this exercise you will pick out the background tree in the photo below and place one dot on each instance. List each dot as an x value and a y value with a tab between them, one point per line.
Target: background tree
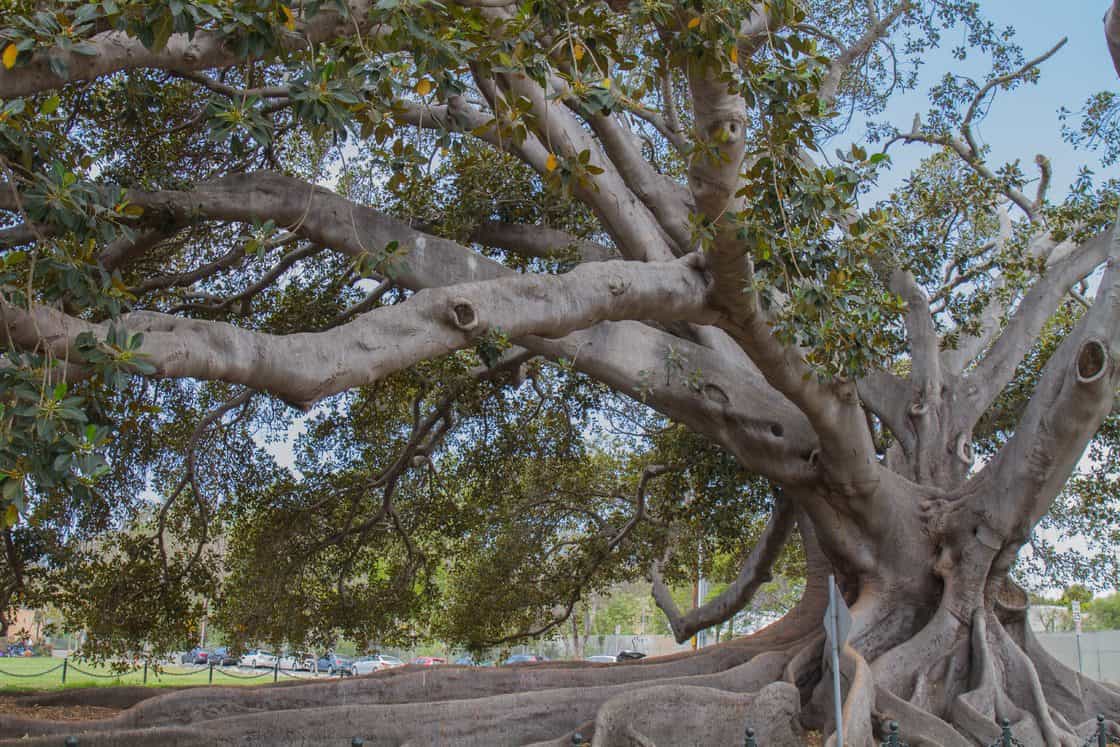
588	290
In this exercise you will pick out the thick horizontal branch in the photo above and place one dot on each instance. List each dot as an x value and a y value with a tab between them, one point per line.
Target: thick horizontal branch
303	368
116	51
539	241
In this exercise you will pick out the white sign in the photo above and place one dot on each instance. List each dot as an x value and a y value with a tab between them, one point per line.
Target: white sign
1075	608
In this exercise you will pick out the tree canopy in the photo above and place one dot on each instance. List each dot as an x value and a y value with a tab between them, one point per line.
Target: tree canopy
544	297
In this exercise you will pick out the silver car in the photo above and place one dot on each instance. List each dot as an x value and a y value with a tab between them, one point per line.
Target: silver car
375	663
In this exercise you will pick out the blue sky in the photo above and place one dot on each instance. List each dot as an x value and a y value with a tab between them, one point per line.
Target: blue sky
1024	122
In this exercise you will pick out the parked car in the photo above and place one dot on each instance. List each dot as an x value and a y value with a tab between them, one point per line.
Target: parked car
222	657
332	663
258	657
195	656
428	661
602	659
470	661
524	659
304	661
375	663
629	655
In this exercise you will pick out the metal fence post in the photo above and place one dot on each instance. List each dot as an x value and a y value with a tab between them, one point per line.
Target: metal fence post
751	742
357	742
211	680
145	672
71	742
1102	737
892	735
577	738
1006	737
65	661
276	670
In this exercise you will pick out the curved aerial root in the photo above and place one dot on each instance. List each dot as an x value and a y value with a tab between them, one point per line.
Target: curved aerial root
920	728
507	719
858	686
663	716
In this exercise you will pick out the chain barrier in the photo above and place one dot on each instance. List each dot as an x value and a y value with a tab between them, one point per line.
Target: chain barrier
290	675
33	674
243	676
116	676
180	674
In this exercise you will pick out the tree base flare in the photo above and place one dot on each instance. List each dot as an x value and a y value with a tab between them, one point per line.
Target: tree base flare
952	694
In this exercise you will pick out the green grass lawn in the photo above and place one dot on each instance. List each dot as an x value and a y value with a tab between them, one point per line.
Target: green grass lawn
26	674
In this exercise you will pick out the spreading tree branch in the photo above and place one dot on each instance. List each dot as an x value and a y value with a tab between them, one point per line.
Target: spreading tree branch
753	574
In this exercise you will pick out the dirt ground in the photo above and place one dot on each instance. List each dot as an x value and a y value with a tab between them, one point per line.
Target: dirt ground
10	705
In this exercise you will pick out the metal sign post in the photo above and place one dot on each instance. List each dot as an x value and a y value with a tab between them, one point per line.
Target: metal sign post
1075	608
837	626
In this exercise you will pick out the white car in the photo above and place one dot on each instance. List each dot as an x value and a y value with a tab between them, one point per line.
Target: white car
298	661
602	659
258	657
370	664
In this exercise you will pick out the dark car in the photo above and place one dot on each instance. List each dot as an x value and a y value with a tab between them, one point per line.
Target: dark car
629	655
221	657
470	661
524	659
195	656
332	663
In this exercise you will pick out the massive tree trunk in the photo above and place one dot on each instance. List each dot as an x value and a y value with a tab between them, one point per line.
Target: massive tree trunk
920	538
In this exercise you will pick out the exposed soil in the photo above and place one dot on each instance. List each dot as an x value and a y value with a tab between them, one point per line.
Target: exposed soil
11	706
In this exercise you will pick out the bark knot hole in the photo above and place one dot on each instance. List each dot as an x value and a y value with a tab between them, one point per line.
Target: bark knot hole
463	314
964	448
715	394
1092	361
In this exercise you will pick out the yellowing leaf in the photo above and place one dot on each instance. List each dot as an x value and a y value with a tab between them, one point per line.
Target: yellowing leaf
694	22
423	87
11	515
552	162
289	19
10	55
734	54
133	211
606	82
577	52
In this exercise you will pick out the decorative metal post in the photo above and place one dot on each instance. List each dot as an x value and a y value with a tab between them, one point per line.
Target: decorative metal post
71	742
211	681
145	671
357	742
577	738
276	670
65	663
1102	736
1006	737
751	742
892	736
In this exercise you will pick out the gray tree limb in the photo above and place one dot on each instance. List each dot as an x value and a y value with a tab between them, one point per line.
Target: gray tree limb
753	574
305	367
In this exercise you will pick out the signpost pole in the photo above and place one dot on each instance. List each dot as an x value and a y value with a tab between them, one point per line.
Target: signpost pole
834	650
1075	607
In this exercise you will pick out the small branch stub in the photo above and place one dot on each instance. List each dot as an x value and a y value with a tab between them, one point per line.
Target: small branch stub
1092	361
463	314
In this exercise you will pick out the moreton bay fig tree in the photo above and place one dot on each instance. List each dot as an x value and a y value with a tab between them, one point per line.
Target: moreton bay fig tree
548	292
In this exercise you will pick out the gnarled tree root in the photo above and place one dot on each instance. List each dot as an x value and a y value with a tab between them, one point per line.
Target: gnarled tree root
512	718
